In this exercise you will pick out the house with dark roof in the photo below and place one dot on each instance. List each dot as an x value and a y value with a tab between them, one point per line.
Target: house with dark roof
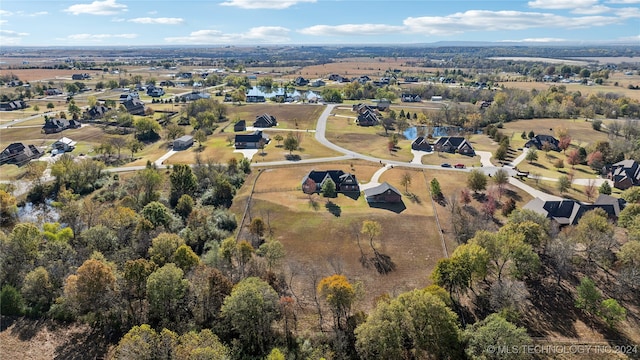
240	125
84	76
454	144
361	108
538	142
255	98
155	91
251	141
134	106
410	98
368	118
183	142
129	95
421	143
300	81
625	174
411	79
569	212
265	121
383	193
19	154
314	180
52	126
338	78
96	112
197	95
52	91
13	105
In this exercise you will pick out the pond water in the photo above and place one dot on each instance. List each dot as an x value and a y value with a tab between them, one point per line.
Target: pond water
435	131
272	92
39	213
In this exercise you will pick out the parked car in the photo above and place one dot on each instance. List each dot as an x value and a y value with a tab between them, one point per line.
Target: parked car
447	165
459	166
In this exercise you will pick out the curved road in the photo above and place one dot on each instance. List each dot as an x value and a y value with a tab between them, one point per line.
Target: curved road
321	128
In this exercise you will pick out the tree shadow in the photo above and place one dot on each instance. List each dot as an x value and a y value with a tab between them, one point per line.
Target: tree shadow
82	346
394	207
292	157
333	208
383	263
414	198
513	195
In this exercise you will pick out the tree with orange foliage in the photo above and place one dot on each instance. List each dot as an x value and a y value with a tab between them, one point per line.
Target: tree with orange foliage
339	295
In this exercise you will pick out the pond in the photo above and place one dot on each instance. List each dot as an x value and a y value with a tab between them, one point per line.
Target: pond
273	92
435	131
38	213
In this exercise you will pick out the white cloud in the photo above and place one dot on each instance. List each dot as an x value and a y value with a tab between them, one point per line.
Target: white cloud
5	13
2	22
536	40
351	29
256	35
161	21
562	4
106	7
484	20
152	12
10	37
100	36
623	2
264	4
596	9
627	13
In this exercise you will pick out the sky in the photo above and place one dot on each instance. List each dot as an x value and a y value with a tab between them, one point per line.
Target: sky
309	22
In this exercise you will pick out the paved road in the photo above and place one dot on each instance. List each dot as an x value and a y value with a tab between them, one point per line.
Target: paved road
485	156
18	121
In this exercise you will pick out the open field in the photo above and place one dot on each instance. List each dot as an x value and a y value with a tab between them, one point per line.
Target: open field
409	237
287	115
580	130
363	66
585	90
372	140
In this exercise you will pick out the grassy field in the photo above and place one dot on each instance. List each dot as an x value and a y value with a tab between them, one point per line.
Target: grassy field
409	237
289	116
371	141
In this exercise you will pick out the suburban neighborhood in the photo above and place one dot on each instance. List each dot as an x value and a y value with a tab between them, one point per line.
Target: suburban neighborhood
347	206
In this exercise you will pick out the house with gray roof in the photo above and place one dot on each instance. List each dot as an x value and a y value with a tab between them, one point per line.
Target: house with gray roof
315	180
568	211
538	142
625	174
383	193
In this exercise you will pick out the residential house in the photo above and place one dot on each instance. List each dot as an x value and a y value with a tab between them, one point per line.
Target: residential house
361	108
338	78
227	97
318	83
454	144
51	92
251	141
197	95
240	126
569	212
134	106
265	121
421	143
183	142
84	76
625	174
63	145
167	83
383	193
255	98
129	95
96	112
315	180
483	104
13	105
300	81
52	126
436	98
368	118
411	79
19	154
410	98
363	79
155	91
539	142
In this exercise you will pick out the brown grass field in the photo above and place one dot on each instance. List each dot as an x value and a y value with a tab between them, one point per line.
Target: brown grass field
409	237
287	115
